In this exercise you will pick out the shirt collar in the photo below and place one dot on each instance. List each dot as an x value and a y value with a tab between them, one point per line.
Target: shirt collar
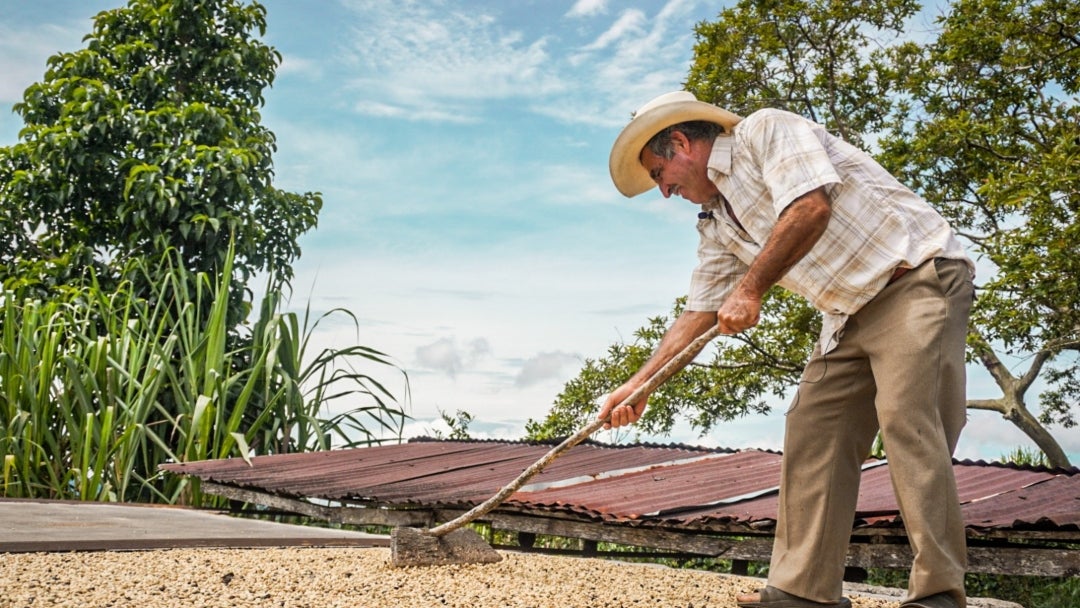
720	158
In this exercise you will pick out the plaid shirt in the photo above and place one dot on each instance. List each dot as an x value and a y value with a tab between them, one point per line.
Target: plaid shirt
774	157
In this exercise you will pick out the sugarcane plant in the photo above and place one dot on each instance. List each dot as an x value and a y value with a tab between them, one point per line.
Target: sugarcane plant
98	388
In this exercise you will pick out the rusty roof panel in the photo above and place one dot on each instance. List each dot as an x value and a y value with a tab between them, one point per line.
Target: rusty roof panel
425	472
1051	503
664	488
990	495
975	481
640	485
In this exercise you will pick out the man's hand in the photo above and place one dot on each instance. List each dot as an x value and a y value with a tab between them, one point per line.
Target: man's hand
739	312
798	228
622	415
686	328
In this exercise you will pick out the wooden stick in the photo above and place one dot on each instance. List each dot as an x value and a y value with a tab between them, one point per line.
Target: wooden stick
685	356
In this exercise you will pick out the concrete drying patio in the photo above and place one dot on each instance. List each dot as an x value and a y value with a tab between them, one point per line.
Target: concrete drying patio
32	526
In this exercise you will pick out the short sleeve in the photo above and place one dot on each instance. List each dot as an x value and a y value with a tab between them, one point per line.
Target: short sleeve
792	158
717	273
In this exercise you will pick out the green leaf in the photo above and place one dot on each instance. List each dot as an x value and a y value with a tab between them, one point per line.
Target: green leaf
242	447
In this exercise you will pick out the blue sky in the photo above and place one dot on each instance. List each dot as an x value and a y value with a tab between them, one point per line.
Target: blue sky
469	221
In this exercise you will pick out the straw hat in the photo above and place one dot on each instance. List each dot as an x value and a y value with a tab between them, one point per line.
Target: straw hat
669	109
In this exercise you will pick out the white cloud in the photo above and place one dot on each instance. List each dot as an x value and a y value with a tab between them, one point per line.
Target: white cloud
477	429
587	8
547	366
444	355
25	51
380	110
377	109
292	64
440	62
634	58
630	23
445	62
676	9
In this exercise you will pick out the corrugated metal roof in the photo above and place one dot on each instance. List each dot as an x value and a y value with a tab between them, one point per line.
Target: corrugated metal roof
639	485
991	497
666	487
1053	502
425	472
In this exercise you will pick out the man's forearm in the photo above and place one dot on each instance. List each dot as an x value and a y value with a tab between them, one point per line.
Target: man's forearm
797	230
686	328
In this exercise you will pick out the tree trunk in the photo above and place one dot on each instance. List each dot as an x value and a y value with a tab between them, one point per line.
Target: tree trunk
1011	404
1019	415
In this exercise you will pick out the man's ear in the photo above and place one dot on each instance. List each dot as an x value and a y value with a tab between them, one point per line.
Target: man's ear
680	142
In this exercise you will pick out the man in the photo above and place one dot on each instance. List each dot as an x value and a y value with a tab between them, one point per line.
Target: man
785	203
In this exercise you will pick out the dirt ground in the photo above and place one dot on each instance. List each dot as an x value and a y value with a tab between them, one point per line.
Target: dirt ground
359	578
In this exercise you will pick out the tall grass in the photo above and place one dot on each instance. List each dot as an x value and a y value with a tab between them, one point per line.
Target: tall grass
98	389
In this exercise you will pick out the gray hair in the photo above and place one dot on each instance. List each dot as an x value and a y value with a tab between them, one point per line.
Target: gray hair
660	144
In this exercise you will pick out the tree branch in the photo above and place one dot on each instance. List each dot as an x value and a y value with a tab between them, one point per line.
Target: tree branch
989	405
1005	380
1033	371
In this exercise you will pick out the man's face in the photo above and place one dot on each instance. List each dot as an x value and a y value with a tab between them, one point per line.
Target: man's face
685	174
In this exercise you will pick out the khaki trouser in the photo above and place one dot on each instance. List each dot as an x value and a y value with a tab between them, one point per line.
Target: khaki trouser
899	366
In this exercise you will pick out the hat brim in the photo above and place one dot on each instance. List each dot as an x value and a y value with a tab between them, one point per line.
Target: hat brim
629	176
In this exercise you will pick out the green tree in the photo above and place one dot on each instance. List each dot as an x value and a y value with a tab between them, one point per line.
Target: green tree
739	377
149	140
982	120
458	424
819	58
137	206
990	134
824	59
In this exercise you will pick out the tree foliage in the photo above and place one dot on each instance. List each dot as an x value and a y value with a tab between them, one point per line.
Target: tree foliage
818	58
990	135
739	377
149	140
980	117
99	388
138	204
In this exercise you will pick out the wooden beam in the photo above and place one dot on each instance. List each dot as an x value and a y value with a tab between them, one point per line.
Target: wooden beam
1056	536
666	540
340	514
888	532
1025	561
871	547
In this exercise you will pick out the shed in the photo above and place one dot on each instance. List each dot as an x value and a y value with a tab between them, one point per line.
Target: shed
673	498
